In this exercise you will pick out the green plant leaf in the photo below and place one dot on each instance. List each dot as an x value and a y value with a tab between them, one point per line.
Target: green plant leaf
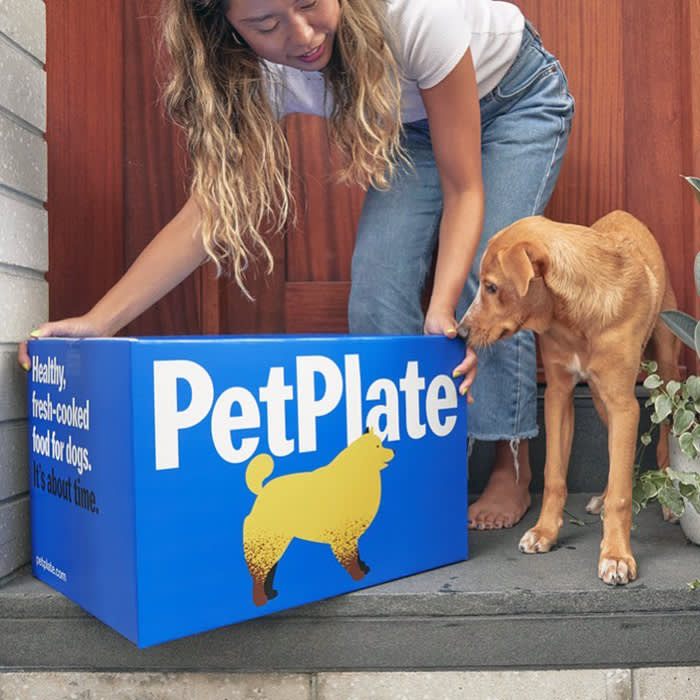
689	449
637	500
653	381
694	500
686	443
691	495
691	478
662	407
692	384
658	478
682	420
671	499
673	387
649	366
649	490
650	481
682	324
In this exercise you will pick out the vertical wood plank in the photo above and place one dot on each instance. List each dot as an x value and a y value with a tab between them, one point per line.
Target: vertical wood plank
85	146
586	37
690	79
317	307
319	246
210	312
653	114
653	42
531	10
155	175
265	314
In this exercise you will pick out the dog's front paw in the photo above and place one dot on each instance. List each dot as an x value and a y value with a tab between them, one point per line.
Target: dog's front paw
534	541
616	571
595	505
669	515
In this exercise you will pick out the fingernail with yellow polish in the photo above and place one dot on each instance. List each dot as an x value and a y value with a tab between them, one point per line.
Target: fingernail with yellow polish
25	366
463	390
457	373
35	334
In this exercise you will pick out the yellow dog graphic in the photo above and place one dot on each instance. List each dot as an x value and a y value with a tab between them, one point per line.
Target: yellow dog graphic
334	505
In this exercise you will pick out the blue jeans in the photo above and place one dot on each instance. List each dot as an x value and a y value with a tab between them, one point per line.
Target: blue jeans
525	123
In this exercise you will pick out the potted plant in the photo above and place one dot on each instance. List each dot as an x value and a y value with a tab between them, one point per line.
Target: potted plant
678	403
678	487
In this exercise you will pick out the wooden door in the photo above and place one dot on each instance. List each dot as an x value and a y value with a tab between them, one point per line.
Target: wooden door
117	171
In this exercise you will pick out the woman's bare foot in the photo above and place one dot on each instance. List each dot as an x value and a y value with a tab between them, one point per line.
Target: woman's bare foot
504	500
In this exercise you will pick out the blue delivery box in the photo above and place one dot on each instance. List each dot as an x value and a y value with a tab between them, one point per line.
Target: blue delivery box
182	484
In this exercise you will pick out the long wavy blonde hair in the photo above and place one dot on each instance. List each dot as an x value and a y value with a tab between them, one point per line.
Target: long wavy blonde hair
240	158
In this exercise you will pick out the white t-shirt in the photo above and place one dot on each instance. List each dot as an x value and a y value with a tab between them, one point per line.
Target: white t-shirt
431	36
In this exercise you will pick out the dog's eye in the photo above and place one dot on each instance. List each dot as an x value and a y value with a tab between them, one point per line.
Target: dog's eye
490	288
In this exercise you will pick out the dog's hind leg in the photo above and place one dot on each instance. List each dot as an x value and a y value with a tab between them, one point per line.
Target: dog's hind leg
664	347
348	554
595	505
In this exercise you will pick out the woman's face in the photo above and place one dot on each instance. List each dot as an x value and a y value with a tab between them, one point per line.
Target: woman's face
297	33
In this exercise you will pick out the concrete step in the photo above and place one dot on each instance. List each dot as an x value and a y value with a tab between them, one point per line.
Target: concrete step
499	610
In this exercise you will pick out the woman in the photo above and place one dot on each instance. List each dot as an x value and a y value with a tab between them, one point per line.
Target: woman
451	114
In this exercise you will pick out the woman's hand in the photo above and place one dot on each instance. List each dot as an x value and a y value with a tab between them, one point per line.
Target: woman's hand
442	322
173	254
78	327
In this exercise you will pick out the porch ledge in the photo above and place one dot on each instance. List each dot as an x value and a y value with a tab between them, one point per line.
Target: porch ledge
500	609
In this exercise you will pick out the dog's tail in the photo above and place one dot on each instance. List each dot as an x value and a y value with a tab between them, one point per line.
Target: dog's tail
259	468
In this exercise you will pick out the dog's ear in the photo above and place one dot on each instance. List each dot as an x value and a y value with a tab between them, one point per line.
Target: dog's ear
522	262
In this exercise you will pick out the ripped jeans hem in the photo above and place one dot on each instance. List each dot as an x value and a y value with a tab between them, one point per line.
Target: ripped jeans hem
495	437
514	444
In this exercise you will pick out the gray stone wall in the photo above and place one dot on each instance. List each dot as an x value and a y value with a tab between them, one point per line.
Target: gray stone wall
23	251
581	684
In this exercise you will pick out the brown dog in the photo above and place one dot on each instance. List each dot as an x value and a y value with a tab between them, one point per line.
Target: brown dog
594	296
